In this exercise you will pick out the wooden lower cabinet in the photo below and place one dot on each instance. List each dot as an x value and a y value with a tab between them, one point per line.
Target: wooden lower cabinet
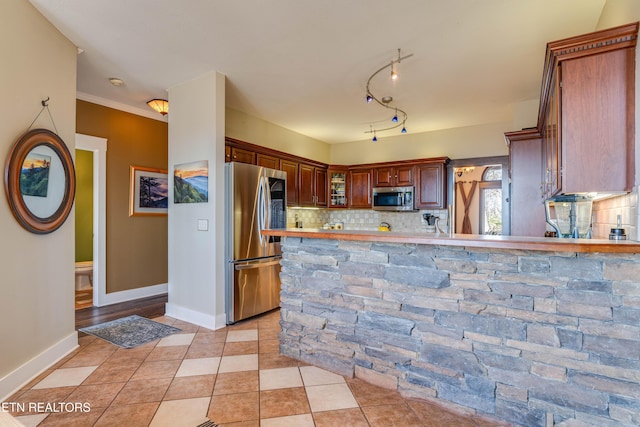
359	186
431	186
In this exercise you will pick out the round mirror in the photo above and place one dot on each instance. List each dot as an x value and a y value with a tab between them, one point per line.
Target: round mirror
40	181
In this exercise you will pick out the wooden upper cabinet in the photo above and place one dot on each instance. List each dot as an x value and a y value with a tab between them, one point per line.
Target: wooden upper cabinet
525	172
587	113
431	186
227	154
321	186
266	161
393	176
312	186
243	156
291	168
359	187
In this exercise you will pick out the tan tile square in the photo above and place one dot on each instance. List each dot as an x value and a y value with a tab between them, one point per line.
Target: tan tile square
130	354
97	395
189	387
176	339
210	337
242	347
268	346
283	402
167	353
274	360
185	326
204	366
271	379
67	419
159	369
181	413
345	417
268	333
389	415
88	358
251	423
100	345
118	371
137	414
66	377
303	420
197	351
317	376
165	319
228	408
432	415
368	394
47	395
236	382
245	362
31	420
245	324
242	335
330	397
143	391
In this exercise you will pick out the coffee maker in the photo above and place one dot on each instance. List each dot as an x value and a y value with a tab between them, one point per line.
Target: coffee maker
570	215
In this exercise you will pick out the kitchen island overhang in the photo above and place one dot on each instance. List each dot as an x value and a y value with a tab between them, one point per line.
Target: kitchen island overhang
522	329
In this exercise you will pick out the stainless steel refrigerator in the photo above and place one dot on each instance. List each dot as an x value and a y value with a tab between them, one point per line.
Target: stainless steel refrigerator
255	199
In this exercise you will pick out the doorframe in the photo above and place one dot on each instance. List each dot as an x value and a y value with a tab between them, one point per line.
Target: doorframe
479	162
99	148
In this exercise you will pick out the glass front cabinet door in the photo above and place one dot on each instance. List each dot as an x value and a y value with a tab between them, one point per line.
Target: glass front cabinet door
337	188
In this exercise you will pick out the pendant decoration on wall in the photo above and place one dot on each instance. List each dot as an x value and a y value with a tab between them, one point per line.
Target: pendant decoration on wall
39	178
191	182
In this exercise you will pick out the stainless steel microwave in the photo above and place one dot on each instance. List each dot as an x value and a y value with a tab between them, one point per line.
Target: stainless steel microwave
393	199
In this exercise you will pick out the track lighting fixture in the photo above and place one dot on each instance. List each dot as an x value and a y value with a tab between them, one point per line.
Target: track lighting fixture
386	100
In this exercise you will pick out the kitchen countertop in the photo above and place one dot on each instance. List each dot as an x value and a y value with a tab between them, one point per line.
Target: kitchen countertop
469	240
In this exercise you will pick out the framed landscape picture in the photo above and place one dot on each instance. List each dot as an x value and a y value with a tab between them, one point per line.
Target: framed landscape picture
149	191
191	182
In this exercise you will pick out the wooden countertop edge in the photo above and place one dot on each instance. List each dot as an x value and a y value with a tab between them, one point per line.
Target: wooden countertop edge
470	240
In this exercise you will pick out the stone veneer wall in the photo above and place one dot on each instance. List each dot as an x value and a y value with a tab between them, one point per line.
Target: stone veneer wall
533	338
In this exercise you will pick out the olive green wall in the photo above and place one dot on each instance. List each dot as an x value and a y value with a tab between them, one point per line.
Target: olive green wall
136	246
84	205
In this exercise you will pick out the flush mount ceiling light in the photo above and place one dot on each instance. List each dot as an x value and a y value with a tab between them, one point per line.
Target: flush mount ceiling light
159	105
386	100
116	81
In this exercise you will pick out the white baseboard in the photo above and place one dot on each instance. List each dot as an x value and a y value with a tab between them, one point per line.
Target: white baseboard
122	296
34	367
197	318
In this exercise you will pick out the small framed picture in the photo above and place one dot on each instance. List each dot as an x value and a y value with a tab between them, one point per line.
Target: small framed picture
149	191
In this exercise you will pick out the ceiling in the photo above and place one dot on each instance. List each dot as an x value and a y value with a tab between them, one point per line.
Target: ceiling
304	65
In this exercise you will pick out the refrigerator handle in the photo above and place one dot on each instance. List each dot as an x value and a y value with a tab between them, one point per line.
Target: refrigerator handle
267	206
261	211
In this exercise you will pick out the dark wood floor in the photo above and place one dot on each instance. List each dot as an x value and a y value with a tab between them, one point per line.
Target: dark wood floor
145	307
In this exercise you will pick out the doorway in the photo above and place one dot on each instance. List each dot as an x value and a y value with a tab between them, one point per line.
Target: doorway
98	147
478	190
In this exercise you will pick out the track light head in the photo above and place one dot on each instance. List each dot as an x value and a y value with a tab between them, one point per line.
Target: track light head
369	98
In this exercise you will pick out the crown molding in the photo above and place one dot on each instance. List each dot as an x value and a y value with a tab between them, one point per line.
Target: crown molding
122	107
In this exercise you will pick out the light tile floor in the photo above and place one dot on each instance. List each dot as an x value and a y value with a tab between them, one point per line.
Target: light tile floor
233	376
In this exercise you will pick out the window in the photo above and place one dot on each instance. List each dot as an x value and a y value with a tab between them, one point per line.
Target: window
491	201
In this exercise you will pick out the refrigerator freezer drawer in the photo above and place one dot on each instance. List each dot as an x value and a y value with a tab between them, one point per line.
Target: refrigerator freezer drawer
255	288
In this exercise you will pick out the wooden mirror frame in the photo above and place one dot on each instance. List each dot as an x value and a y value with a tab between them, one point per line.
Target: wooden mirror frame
12	171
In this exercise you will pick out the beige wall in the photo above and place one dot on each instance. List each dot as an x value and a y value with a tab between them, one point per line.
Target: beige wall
136	246
256	131
37	284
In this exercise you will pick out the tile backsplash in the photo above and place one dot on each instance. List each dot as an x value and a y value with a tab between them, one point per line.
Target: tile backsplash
605	213
365	219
